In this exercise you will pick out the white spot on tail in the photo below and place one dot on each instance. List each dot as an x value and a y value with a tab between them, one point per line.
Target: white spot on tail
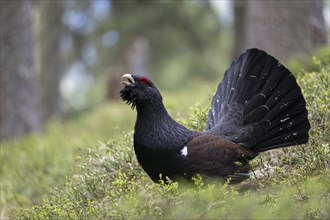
213	111
284	119
184	151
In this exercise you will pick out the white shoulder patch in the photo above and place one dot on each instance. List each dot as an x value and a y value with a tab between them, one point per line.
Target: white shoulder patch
184	151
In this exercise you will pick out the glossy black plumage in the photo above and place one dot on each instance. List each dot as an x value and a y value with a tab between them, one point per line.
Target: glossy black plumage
261	104
258	106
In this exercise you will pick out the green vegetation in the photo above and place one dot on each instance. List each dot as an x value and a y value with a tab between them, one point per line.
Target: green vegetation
302	62
105	180
33	165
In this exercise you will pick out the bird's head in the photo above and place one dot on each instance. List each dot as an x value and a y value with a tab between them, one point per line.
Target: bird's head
139	91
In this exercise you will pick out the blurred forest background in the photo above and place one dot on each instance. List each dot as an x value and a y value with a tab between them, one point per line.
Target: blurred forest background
61	58
61	117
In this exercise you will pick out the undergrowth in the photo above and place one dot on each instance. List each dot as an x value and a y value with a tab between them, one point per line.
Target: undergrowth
288	183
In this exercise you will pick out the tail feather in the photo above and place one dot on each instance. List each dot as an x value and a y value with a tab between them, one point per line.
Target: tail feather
257	100
284	95
255	115
286	138
281	126
289	115
259	104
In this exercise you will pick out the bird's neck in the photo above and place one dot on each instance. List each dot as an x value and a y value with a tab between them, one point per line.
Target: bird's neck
152	114
155	126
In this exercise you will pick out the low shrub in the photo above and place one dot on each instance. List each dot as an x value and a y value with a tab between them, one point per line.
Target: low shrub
288	183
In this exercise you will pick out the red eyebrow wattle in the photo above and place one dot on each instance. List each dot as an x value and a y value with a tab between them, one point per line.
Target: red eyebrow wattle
145	80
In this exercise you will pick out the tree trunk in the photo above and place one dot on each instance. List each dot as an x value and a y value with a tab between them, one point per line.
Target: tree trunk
49	57
285	28
239	27
18	92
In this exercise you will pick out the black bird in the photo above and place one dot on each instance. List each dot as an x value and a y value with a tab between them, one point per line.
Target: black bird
258	106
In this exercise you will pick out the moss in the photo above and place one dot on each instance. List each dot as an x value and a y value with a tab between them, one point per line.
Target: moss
108	183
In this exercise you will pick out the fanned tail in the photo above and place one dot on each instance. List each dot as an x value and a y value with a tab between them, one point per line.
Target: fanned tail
259	104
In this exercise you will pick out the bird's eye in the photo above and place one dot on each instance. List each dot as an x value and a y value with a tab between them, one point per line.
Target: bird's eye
145	81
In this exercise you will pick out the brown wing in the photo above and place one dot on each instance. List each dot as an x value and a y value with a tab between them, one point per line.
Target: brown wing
216	157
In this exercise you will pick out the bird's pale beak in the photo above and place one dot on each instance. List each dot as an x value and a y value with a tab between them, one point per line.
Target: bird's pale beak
129	78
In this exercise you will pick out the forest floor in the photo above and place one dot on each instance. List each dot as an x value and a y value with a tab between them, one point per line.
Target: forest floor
87	169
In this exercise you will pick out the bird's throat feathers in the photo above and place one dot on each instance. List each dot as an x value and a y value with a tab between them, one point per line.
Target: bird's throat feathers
151	115
154	127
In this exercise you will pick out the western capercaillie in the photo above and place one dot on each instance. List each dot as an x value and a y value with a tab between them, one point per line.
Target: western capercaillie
258	106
